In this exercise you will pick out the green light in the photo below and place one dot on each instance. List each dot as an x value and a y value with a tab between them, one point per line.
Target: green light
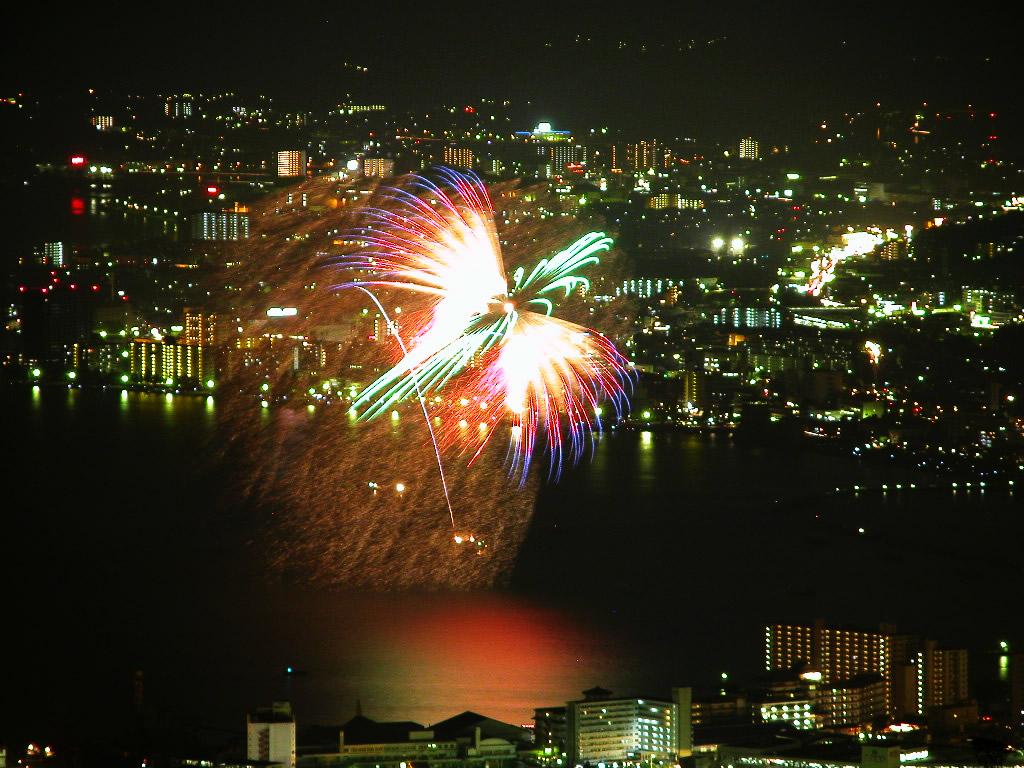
72	375
265	387
36	373
124	378
647	414
209	384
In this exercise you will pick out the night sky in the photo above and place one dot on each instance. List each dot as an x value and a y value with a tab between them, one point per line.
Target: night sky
676	69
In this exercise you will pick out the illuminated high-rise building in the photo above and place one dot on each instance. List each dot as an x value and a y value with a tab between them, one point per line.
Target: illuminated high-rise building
556	149
637	157
674	200
749	149
378	167
561	158
918	674
458	157
291	162
220	225
52	255
603	729
943	676
271	735
200	328
159	361
179	107
838	654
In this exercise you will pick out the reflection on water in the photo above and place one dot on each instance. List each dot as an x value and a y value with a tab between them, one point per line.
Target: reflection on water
649	566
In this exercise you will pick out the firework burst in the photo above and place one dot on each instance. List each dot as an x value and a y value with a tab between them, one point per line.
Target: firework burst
485	353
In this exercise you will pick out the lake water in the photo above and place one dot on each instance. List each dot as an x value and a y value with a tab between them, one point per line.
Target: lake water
651	566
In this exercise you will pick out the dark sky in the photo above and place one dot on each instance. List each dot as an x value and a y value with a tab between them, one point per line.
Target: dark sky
679	68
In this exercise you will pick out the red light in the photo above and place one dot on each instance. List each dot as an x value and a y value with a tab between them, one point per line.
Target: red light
44	290
470	109
73	286
212	190
77	160
95	287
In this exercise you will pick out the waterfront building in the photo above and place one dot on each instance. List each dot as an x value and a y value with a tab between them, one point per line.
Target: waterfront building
270	734
158	361
468	740
55	314
604	729
918	675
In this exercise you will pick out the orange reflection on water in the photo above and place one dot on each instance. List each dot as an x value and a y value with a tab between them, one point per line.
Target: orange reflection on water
428	657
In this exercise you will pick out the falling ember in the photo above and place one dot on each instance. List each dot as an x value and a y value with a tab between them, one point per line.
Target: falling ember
314	466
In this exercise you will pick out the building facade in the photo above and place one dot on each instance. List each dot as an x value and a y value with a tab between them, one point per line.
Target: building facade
917	675
270	734
602	729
